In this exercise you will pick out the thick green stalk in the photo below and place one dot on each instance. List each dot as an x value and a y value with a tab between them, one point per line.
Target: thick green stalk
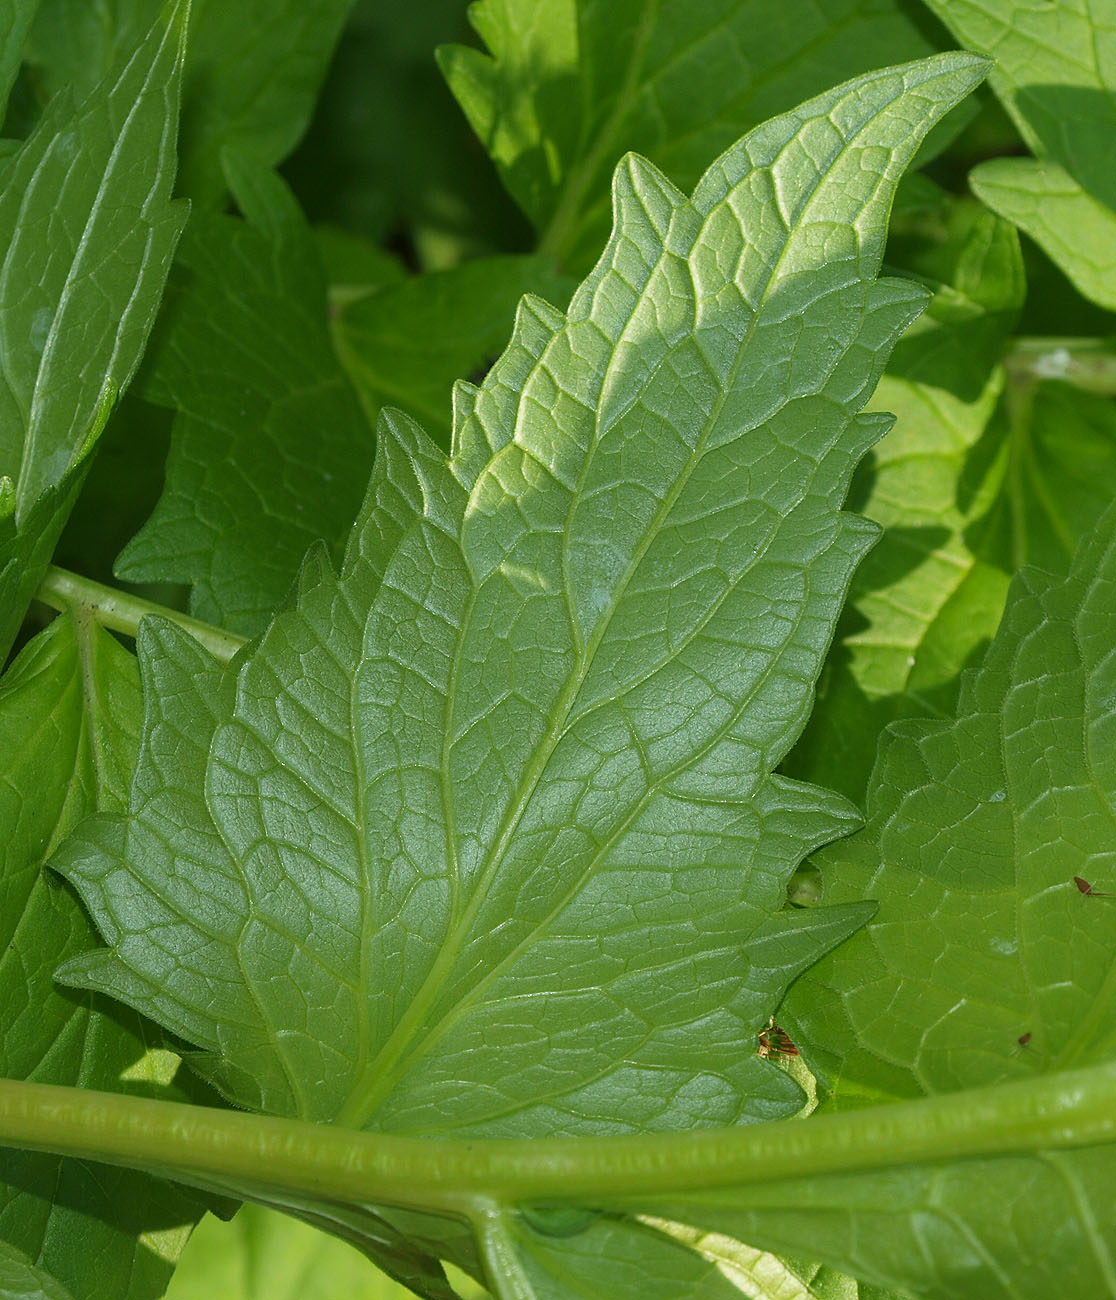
460	1177
122	611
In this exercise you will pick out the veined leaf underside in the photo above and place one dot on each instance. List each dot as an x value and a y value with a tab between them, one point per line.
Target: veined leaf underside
504	788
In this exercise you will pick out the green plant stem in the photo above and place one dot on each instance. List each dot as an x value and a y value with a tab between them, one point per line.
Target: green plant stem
123	612
1089	364
461	1177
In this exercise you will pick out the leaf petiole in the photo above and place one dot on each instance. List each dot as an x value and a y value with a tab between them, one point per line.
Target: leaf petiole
122	612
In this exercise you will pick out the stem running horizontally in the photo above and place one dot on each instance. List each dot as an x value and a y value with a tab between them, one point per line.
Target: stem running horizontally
122	612
1073	1108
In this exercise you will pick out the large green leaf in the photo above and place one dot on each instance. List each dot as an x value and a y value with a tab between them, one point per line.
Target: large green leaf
69	731
270	449
481	837
571	84
983	825
87	232
1056	75
253	70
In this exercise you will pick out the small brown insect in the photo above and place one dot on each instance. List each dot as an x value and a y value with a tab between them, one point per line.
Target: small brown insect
775	1041
1087	889
1024	1039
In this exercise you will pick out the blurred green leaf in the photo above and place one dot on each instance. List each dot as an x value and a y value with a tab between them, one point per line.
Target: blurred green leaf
388	152
15	24
20	1279
262	1255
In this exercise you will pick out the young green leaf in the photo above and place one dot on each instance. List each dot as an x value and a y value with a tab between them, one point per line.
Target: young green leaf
86	232
570	85
69	731
523	746
1055	74
253	71
270	449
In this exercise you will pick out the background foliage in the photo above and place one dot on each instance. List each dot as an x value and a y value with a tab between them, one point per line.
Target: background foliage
498	826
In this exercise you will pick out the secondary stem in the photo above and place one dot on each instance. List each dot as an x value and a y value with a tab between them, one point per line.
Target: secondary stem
1069	1109
122	612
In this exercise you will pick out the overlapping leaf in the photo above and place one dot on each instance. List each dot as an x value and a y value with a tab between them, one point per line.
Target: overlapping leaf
989	848
572	84
69	729
253	71
404	345
482	837
87	232
1056	75
270	449
931	592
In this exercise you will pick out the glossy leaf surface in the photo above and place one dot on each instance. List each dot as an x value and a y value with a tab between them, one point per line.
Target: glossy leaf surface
87	230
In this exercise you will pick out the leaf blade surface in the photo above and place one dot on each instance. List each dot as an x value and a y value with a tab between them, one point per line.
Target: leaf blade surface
446	814
87	229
